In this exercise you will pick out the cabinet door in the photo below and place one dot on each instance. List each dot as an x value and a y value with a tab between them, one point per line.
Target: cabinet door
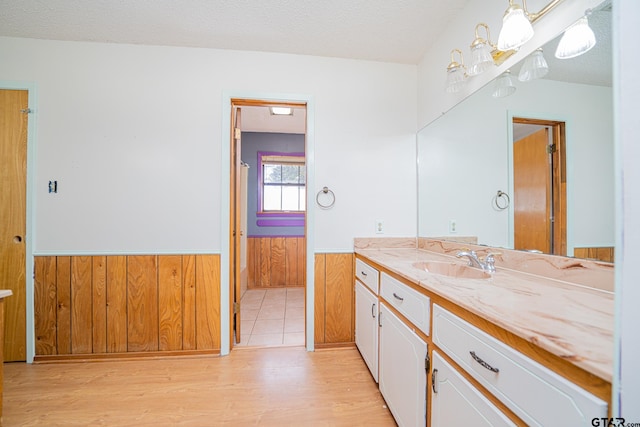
403	379
367	327
455	402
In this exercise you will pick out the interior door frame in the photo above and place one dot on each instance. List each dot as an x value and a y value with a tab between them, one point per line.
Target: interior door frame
539	118
30	210
226	298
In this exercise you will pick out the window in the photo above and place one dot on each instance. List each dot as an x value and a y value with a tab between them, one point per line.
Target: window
283	178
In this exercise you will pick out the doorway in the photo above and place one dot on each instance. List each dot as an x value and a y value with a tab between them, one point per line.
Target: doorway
267	234
14	118
539	185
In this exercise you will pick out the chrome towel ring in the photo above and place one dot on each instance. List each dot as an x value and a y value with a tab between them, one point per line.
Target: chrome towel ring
502	200
329	198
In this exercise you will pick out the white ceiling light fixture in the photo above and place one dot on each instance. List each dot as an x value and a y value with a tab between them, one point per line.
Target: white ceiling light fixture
533	67
576	40
281	111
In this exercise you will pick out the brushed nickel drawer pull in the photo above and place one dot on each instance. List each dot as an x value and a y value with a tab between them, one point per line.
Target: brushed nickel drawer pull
397	297
483	363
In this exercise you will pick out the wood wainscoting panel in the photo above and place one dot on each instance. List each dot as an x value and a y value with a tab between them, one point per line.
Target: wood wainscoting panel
207	302
143	304
334	298
99	283
276	262
170	302
81	306
45	292
605	253
116	304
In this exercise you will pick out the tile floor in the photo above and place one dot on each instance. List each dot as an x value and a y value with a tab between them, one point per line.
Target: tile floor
272	317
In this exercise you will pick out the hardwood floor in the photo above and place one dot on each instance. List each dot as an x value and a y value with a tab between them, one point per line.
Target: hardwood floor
285	386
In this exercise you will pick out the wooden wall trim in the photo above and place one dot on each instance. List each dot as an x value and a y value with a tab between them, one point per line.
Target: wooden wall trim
605	253
276	262
126	304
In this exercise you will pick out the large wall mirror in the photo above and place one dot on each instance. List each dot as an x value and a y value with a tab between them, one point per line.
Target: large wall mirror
471	159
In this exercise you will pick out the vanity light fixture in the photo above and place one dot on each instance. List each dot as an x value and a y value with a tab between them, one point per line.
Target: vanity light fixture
577	39
481	57
533	67
517	28
456	73
504	85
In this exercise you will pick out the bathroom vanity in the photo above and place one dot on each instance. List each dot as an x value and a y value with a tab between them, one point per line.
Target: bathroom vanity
527	345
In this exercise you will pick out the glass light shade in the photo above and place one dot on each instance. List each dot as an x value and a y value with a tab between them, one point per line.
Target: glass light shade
455	78
576	40
504	86
534	67
481	59
516	29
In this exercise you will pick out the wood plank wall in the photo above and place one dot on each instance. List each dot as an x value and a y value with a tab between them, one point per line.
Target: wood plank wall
275	262
125	304
334	299
601	254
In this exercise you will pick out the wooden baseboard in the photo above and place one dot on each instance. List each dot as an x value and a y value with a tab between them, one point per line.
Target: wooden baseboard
104	357
330	346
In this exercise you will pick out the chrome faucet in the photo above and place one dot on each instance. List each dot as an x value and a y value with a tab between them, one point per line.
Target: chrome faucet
487	265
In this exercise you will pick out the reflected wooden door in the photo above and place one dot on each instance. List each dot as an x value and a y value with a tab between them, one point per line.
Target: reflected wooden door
13	178
532	192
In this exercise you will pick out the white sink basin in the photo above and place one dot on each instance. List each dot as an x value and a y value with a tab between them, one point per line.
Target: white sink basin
452	269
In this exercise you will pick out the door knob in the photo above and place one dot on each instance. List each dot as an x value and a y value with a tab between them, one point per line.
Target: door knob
17	239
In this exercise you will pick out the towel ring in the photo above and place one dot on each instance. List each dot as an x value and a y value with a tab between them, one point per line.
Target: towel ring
332	198
506	201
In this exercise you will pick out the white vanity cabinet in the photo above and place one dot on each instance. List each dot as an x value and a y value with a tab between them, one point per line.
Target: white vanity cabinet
456	402
539	396
367	327
402	375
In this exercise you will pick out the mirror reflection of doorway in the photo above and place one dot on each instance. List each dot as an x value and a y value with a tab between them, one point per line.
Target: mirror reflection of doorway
268	177
539	178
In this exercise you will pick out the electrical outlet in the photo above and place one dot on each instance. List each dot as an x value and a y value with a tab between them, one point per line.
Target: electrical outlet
379	226
453	227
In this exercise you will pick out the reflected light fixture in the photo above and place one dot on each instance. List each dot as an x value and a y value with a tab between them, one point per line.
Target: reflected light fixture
456	73
481	58
576	40
281	111
516	28
533	67
504	85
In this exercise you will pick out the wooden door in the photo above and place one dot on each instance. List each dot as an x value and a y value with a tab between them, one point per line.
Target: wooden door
235	238
532	192
13	178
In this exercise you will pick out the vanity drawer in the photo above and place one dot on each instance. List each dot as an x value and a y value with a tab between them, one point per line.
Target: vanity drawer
410	303
536	394
367	275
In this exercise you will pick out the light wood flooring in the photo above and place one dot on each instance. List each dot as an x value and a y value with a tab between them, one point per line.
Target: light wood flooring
284	386
272	317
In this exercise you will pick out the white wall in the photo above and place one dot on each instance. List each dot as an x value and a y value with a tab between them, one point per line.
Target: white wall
133	136
464	161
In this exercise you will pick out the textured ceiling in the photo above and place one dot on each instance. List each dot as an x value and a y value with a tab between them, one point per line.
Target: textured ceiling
381	30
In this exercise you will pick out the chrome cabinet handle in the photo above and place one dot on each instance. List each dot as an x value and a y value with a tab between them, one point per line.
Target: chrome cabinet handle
397	297
373	306
434	380
483	363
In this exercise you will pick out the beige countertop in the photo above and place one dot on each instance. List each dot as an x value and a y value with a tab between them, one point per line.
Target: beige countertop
572	321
